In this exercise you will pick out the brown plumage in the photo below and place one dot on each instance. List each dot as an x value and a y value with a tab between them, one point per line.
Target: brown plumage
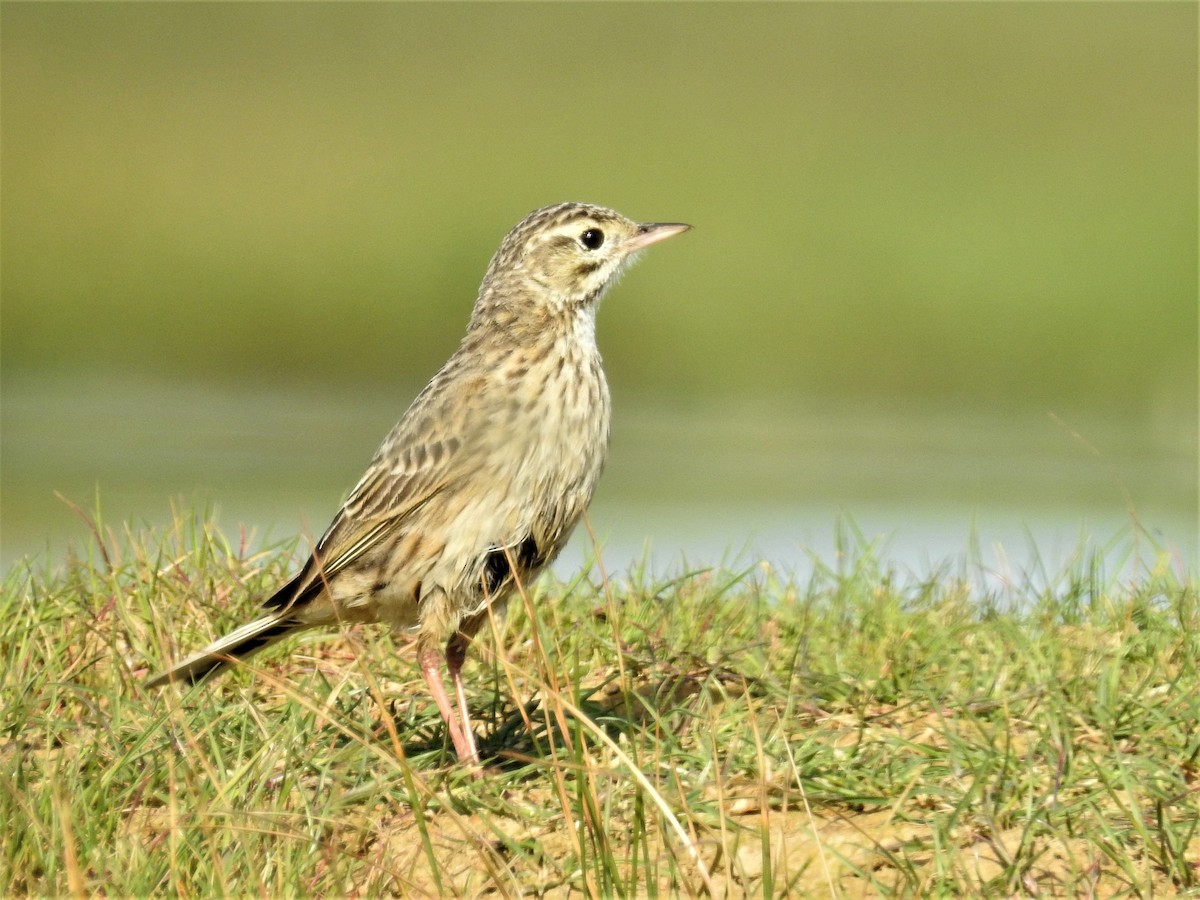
480	484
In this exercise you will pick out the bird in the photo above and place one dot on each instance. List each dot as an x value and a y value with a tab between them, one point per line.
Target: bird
477	488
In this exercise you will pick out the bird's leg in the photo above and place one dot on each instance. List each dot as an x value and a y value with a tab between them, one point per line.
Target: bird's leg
430	662
456	655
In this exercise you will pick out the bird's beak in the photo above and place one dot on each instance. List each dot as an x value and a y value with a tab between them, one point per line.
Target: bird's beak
653	233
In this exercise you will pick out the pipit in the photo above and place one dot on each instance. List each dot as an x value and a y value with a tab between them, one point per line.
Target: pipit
479	485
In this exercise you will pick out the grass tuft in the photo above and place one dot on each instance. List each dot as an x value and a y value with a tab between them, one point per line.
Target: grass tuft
719	733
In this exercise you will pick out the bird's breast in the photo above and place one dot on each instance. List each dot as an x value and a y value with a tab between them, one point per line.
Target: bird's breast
562	426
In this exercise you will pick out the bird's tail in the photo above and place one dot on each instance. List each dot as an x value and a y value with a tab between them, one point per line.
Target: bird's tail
238	644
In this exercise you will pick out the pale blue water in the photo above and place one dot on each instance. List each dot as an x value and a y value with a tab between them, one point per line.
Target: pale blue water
737	483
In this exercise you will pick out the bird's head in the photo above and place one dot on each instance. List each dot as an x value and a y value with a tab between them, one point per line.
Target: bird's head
562	258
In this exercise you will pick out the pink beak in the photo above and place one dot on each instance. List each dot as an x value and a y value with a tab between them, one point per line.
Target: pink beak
653	233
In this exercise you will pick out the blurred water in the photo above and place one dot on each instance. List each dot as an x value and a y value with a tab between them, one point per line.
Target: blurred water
685	487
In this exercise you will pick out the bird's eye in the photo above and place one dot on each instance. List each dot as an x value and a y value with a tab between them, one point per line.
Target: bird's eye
592	238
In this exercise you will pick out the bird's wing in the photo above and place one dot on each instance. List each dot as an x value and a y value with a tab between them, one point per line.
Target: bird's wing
405	474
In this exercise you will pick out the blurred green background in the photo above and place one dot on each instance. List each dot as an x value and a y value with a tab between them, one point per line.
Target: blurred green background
944	265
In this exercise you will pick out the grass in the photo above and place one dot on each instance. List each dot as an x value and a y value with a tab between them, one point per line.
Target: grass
860	734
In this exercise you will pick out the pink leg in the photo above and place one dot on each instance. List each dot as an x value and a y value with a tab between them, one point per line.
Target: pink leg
431	669
456	655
